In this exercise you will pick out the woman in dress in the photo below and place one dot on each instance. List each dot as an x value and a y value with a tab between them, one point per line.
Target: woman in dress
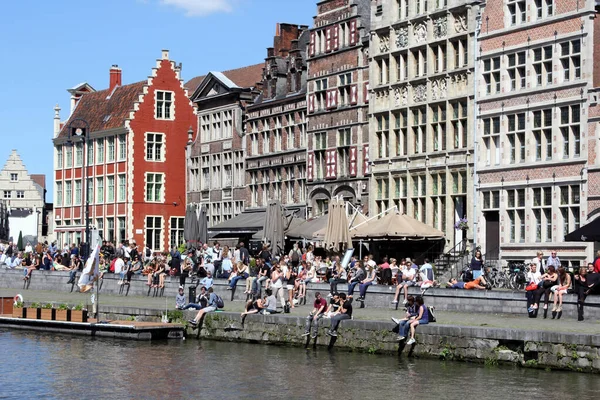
476	264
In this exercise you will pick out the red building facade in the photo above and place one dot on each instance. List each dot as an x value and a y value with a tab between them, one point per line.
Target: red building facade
135	158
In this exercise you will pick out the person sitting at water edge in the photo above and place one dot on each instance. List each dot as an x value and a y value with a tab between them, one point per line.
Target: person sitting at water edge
210	307
422	318
411	312
315	315
345	312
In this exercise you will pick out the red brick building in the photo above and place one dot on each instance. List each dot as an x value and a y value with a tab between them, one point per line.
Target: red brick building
276	125
538	170
338	80
136	156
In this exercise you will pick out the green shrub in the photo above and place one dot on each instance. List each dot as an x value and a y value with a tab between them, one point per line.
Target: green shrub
47	306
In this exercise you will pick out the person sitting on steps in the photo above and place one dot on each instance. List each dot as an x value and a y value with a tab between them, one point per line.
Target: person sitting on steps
407	280
549	279
564	283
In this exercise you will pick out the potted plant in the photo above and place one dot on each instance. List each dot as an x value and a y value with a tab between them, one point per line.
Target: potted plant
47	312
62	313
18	310
79	314
33	311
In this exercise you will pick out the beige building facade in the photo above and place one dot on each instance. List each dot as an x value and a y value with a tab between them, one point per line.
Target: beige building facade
421	112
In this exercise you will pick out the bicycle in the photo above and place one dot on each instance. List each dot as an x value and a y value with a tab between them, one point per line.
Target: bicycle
517	276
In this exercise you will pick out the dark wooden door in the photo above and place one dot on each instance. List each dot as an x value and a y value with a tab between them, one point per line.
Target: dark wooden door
492	235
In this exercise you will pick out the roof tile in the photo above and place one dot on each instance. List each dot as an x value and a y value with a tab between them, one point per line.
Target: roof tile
104	113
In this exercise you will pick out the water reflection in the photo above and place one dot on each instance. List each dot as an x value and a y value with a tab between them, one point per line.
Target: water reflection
60	366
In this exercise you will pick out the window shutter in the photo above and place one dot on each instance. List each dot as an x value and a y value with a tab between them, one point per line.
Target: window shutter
331	99
366	92
328	39
366	159
353	160
353	35
328	99
354	94
311	48
330	164
310	171
334	164
336	37
311	103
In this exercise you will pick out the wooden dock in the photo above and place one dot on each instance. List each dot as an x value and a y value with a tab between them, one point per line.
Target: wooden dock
133	330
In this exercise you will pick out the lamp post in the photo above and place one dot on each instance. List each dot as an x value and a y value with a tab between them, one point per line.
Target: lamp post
82	133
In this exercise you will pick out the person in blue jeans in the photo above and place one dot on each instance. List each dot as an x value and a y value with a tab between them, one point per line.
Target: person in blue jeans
411	312
422	318
368	281
358	274
242	273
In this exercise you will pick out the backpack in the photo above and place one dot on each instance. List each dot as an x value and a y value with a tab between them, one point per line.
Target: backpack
431	315
295	257
286	307
220	303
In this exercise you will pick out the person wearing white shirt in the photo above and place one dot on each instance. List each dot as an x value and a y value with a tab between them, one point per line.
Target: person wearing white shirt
534	276
16	262
2	257
119	265
539	262
28	248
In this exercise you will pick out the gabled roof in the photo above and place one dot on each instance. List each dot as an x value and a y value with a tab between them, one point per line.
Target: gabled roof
245	77
103	110
40	179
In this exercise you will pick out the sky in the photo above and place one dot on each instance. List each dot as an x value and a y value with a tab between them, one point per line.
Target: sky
50	46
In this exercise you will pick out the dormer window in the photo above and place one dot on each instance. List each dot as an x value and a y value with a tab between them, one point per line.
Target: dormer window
14	177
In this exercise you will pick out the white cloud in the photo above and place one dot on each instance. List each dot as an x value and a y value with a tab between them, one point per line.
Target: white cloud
200	8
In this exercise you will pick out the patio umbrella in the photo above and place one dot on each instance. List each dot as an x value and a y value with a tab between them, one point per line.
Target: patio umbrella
396	226
274	227
202	225
190	226
337	235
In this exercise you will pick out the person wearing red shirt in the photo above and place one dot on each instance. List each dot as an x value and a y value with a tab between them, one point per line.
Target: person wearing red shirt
597	263
317	313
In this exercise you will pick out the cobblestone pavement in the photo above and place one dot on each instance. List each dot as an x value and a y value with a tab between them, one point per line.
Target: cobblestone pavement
377	314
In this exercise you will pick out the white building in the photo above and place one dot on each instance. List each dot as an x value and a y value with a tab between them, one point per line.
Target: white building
25	198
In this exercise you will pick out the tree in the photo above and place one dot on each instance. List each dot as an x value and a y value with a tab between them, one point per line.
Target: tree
20	241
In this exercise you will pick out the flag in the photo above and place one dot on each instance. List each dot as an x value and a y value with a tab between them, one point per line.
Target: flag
91	271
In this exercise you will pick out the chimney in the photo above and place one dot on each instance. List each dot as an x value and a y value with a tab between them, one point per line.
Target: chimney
56	120
115	77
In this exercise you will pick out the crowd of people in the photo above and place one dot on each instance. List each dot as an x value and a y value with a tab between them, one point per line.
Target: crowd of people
279	283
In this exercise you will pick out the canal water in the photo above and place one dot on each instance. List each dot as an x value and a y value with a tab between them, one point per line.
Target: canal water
53	366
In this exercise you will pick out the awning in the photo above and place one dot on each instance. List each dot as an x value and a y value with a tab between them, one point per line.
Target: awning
395	226
242	224
587	233
307	229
